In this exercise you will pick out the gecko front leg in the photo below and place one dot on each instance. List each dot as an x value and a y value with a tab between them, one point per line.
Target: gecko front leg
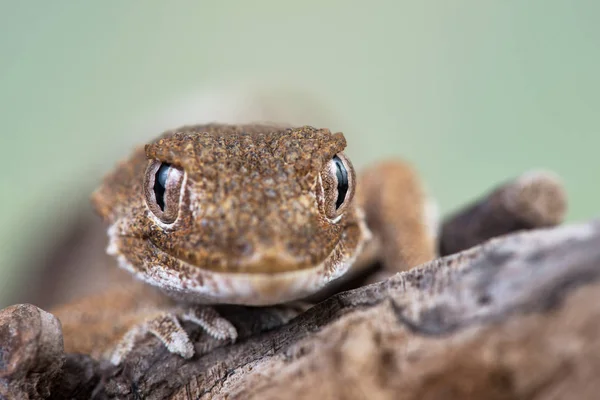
168	330
109	325
399	214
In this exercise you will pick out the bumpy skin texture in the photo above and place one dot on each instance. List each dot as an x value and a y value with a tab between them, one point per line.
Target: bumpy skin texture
252	226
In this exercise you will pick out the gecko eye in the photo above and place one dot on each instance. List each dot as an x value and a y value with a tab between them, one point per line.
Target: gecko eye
338	185
162	188
341	174
160	184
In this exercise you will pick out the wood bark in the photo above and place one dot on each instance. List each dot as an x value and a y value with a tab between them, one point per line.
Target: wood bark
515	318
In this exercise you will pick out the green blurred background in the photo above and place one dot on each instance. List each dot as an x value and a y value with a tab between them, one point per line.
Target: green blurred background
472	92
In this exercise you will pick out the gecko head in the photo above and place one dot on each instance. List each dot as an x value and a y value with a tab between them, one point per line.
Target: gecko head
249	214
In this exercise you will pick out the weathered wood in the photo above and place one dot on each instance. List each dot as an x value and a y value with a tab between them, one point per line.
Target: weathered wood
518	317
536	199
31	352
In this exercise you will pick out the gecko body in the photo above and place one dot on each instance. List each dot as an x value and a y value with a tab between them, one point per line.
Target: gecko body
253	215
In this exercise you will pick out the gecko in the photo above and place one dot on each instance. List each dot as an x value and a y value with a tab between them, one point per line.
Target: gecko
253	215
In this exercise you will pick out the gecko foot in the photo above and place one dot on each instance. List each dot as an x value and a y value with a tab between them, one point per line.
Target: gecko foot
168	330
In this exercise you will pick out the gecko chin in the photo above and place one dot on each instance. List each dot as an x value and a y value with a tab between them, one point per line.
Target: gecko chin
256	289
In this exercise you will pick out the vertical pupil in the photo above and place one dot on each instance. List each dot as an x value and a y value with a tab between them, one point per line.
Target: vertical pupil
342	181
160	184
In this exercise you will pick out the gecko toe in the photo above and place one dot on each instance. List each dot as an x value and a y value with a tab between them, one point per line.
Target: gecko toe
215	325
167	328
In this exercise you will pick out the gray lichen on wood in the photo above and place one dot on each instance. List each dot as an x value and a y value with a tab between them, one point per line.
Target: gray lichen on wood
517	317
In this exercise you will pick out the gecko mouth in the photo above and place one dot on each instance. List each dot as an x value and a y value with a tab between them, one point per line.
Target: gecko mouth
270	261
195	283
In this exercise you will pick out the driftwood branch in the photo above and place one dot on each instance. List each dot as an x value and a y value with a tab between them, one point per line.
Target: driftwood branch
517	317
535	199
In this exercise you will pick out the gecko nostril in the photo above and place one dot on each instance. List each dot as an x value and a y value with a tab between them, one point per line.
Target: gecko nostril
290	247
244	248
